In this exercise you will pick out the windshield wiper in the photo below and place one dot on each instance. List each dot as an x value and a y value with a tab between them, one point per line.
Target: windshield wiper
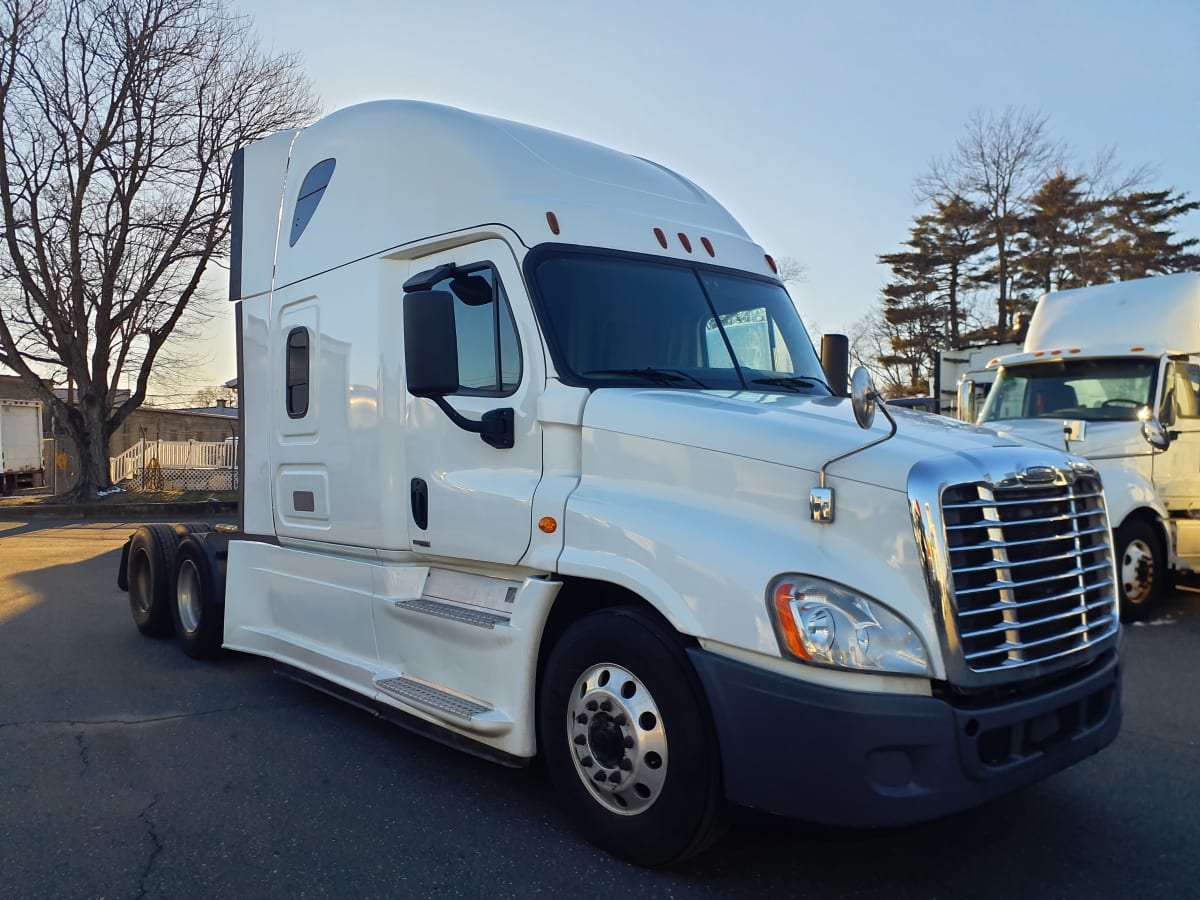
655	376
795	382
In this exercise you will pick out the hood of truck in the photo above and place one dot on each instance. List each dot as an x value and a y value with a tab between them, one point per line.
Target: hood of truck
1100	439
790	430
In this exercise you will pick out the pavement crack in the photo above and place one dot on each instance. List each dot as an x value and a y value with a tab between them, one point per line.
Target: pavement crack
144	720
81	743
156	849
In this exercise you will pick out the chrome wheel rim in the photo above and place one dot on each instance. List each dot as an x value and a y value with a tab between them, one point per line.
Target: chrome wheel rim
140	583
617	740
187	593
1137	571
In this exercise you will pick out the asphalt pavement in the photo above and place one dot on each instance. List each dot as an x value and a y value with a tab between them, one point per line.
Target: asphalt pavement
130	770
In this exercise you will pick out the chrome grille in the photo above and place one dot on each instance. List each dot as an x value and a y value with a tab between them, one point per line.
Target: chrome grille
1031	572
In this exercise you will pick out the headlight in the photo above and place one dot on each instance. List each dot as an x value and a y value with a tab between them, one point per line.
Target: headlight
821	622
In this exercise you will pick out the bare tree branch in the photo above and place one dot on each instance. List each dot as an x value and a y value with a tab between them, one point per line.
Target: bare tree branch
118	124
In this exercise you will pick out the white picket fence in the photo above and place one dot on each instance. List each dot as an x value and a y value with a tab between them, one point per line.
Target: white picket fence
145	457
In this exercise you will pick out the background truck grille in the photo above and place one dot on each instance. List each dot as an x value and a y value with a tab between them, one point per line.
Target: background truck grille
1031	571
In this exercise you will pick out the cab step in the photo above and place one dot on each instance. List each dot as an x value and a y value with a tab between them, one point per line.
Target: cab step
452	708
454	612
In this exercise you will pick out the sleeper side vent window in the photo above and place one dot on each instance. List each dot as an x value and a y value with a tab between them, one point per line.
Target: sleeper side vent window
312	189
297	373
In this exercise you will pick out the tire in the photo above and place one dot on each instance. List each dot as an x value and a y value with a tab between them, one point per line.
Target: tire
150	577
628	739
1141	568
198	602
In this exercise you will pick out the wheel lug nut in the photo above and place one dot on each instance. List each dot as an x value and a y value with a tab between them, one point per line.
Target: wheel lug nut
625	764
628	742
587	762
606	706
592	706
614	778
580	739
621	720
581	719
599	776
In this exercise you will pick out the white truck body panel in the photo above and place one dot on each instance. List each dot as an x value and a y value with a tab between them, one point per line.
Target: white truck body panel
690	502
20	436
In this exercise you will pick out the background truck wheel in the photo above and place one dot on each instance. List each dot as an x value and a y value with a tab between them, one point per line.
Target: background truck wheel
628	740
150	577
1141	569
198	606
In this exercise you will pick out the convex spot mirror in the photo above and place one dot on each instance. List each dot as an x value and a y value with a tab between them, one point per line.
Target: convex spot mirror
1153	431
863	397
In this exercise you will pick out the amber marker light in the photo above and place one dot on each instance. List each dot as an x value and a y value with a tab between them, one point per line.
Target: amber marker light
771	262
687	244
787	622
662	237
548	525
1075	350
552	221
708	247
1137	349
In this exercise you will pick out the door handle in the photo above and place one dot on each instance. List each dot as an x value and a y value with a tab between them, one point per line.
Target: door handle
419	495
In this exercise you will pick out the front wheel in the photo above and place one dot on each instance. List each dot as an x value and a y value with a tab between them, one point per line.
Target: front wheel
628	739
1141	568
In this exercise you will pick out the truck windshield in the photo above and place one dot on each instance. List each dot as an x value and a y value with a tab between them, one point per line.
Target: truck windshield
1090	389
617	321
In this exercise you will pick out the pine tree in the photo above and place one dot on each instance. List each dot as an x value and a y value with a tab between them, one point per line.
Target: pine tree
1136	238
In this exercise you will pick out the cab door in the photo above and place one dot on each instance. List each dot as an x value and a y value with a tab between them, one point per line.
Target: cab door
1177	471
469	500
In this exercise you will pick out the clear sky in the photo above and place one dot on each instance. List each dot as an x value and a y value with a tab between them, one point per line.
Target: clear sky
808	120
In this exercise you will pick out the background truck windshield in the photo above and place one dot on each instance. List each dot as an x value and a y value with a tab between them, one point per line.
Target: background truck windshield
1089	389
619	321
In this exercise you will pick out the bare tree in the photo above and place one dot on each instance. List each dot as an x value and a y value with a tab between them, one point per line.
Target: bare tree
118	123
999	164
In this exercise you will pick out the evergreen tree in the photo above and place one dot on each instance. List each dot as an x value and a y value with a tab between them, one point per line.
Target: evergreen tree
1137	240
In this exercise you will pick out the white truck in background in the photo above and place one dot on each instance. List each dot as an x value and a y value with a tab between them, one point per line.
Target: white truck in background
538	458
968	363
21	462
1112	372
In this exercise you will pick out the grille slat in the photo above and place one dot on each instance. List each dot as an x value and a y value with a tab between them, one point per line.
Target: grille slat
1024	566
1000	607
1032	582
1007	564
1071	613
981	504
1048	520
1027	645
1067	536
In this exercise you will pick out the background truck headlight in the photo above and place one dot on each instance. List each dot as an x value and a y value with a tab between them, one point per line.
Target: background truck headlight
828	624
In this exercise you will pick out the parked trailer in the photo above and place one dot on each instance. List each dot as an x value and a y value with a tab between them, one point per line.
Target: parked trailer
20	445
538	458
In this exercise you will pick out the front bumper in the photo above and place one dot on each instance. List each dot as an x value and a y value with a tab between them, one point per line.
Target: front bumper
858	759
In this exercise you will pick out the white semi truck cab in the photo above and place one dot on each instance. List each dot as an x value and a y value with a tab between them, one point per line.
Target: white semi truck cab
538	458
1112	372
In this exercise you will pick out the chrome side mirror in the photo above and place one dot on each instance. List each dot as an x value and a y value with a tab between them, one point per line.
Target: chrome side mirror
1153	431
862	397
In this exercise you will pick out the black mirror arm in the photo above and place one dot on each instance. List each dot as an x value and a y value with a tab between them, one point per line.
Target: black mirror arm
497	427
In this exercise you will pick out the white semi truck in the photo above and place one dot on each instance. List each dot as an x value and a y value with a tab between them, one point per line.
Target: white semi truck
1112	372
20	445
538	458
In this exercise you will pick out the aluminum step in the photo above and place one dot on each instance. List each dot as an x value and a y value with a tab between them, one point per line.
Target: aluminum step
454	612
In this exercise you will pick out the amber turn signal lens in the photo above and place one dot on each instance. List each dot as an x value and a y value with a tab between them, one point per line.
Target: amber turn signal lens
787	623
548	525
